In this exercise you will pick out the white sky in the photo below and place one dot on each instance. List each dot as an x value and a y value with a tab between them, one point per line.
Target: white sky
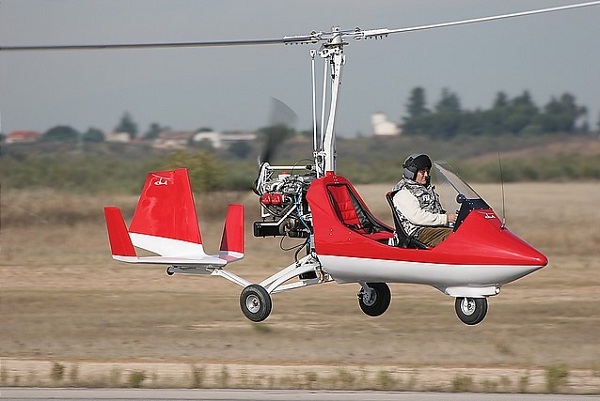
230	88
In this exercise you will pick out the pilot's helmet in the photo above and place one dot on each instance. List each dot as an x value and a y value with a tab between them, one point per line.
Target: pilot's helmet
414	163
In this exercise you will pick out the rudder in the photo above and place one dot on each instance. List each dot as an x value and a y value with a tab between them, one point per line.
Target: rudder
118	237
232	241
166	207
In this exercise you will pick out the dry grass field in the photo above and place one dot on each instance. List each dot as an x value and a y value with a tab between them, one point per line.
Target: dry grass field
70	315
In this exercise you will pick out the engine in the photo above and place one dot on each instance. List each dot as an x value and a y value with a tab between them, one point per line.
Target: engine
284	210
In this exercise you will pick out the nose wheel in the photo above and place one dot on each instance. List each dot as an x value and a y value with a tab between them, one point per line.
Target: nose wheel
256	303
471	311
375	300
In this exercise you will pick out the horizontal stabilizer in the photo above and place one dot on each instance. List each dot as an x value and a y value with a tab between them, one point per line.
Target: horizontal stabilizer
205	261
118	237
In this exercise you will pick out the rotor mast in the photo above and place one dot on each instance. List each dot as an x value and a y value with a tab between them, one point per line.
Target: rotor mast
333	53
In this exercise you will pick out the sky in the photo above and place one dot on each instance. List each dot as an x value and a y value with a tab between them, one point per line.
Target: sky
231	88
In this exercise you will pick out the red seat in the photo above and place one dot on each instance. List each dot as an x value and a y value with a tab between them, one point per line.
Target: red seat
354	216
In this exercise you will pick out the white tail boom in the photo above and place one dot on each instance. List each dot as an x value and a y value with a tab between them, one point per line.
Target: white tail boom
165	223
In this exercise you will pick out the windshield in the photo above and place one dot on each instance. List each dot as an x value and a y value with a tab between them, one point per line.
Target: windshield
445	175
453	192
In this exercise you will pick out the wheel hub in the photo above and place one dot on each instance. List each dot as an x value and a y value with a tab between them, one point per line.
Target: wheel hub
369	297
467	306
253	304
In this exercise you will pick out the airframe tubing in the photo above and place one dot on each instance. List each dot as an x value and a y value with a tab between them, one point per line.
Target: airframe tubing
273	284
304	265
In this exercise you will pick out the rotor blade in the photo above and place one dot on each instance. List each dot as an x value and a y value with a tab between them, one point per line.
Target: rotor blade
300	39
376	33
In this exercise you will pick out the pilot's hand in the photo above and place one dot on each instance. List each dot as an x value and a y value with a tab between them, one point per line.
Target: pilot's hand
451	218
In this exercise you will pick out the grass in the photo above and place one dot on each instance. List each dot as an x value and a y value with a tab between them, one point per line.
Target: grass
136	378
556	377
552	379
65	302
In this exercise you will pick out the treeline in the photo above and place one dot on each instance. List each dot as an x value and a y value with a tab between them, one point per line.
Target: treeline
518	115
122	168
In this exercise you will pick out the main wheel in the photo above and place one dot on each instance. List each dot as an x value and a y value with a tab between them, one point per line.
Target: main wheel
375	302
256	303
471	310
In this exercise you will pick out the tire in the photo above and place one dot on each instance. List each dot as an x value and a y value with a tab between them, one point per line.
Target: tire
379	301
256	303
471	311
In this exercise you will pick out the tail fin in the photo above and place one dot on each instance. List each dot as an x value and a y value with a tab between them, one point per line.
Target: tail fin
232	242
166	208
118	237
165	223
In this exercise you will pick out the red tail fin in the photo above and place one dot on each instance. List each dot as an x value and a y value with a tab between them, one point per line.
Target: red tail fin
232	242
166	207
120	242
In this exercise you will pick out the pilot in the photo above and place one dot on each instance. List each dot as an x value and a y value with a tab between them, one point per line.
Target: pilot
417	204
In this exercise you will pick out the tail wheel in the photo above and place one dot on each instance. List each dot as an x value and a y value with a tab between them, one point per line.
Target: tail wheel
471	311
256	303
375	301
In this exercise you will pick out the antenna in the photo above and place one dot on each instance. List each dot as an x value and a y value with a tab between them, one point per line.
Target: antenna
503	226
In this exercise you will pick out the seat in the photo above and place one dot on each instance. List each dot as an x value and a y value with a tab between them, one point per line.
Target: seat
404	240
354	215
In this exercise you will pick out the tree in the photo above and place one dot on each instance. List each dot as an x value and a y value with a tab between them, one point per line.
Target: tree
447	119
418	119
521	113
61	133
93	135
154	130
493	120
204	168
501	101
417	104
448	103
127	125
561	115
240	149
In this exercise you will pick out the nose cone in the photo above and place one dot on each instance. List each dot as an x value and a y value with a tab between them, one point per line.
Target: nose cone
508	249
520	251
483	238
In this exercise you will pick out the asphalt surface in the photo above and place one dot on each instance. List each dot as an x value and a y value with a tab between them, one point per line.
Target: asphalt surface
11	394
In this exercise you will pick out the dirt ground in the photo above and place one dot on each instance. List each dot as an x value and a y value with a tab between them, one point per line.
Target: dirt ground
65	303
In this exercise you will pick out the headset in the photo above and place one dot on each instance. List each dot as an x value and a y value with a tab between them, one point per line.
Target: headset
410	167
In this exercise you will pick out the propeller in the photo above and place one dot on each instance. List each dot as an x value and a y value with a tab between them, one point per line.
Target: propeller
313	37
282	120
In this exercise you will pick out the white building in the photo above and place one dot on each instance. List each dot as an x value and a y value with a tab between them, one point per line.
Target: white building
383	127
224	139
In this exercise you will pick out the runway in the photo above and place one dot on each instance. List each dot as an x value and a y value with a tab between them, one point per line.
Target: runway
14	394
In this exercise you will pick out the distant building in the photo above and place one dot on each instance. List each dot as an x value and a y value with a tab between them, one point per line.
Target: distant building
383	127
23	136
224	139
229	137
213	137
218	140
121	137
173	139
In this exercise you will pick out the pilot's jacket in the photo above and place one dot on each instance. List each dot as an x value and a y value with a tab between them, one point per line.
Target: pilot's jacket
418	205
